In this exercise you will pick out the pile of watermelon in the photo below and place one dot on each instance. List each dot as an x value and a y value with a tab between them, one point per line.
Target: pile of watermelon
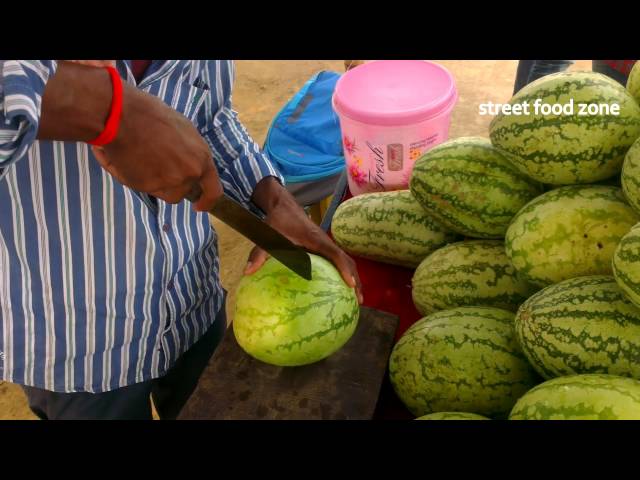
526	249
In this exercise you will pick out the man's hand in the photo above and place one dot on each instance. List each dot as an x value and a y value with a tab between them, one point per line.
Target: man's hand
157	150
286	216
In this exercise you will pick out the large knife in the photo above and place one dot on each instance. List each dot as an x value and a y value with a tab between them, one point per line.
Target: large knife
262	234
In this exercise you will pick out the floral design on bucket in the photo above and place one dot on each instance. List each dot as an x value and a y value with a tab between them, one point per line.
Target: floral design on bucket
359	176
349	145
415	153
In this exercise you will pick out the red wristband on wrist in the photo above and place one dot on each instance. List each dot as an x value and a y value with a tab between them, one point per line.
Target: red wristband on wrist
113	121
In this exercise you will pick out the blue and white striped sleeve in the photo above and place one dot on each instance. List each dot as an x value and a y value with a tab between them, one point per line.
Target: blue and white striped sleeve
240	162
22	84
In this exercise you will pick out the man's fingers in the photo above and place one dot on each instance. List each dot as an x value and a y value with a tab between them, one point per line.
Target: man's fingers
345	269
106	163
170	195
257	257
211	190
349	273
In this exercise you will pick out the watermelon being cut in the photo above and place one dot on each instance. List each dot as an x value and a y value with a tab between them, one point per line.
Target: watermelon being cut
452	416
471	187
581	325
581	397
564	149
568	232
283	319
469	273
465	359
390	227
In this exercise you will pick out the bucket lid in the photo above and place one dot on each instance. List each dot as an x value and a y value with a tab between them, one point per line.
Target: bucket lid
395	92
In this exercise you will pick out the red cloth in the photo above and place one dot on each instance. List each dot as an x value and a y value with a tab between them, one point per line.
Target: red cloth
138	67
623	66
388	288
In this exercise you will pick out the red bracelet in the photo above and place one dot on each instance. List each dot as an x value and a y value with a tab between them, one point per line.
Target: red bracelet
113	122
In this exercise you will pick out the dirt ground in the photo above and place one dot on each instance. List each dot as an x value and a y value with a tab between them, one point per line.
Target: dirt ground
262	88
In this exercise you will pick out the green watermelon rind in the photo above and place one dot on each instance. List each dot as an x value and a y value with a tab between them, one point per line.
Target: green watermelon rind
633	82
468	273
579	326
465	359
568	232
471	187
581	397
626	265
388	227
285	320
569	149
452	416
630	178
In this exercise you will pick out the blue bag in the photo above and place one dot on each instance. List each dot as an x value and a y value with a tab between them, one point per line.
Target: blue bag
304	140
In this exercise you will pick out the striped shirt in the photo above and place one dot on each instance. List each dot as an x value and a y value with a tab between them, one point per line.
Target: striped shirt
101	286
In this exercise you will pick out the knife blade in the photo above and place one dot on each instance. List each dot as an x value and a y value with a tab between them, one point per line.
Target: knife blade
262	234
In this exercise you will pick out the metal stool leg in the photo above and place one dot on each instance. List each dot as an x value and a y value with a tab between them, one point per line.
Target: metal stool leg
338	195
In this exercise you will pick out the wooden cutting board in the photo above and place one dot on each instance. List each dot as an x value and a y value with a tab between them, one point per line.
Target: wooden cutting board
344	386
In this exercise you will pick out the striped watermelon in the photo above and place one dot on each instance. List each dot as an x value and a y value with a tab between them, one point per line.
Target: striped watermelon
633	82
569	149
581	325
452	416
581	397
285	320
389	227
465	359
631	176
568	232
471	187
626	265
469	273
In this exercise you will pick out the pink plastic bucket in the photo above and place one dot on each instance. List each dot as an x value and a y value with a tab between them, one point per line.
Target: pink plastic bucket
391	112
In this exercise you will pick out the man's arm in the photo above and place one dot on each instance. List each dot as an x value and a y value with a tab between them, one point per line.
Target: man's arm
75	104
22	85
286	216
240	162
157	150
